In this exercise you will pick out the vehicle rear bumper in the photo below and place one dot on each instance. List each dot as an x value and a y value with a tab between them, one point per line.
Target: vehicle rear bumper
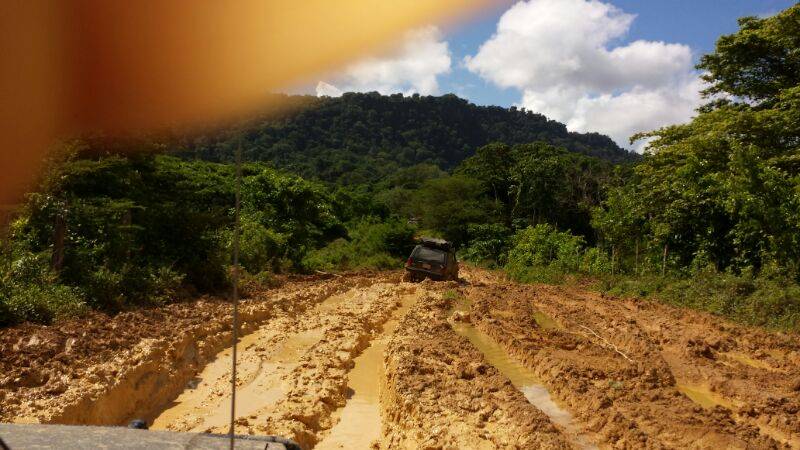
427	273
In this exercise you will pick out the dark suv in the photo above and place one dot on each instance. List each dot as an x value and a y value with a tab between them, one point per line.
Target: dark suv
432	258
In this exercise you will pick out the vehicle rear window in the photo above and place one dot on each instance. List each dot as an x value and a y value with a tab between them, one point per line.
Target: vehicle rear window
430	255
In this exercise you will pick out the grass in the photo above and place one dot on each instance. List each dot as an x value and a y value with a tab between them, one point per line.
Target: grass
751	300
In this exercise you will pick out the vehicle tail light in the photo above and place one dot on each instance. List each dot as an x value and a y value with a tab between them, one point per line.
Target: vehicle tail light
410	262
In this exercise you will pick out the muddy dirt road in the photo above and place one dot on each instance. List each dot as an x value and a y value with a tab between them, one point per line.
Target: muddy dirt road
367	361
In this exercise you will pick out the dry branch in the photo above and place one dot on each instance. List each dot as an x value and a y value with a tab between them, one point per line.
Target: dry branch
608	344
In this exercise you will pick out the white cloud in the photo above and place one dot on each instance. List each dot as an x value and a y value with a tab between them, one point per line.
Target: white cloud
327	90
412	67
561	55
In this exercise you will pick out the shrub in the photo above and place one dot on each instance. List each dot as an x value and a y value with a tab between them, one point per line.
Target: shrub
372	244
488	243
104	289
595	261
40	303
544	246
165	285
250	284
765	299
260	248
336	255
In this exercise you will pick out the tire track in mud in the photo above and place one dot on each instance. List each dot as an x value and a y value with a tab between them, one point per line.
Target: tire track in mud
752	372
520	376
359	422
264	356
440	392
294	371
608	371
317	387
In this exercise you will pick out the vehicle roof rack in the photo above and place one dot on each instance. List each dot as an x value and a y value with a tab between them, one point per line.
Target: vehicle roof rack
436	243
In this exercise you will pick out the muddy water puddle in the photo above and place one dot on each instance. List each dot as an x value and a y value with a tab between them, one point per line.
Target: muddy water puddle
546	322
521	377
360	420
703	396
746	360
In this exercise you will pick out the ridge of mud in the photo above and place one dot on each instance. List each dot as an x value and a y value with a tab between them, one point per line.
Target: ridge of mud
318	384
608	372
439	392
104	370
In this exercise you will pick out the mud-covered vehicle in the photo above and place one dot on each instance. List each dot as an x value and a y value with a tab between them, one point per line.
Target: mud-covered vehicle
432	258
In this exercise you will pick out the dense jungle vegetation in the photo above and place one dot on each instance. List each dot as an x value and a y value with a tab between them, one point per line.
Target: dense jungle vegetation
709	217
362	138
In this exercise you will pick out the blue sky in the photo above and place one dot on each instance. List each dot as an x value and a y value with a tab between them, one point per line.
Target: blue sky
697	23
618	67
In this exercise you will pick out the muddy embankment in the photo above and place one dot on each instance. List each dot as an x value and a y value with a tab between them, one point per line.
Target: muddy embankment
644	375
104	370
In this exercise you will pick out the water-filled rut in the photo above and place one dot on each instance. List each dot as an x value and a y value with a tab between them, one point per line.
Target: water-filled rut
359	422
266	357
521	377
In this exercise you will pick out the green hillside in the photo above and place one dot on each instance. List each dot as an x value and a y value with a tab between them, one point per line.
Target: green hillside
361	138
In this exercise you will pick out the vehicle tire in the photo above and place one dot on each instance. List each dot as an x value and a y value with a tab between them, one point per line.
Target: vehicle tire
408	277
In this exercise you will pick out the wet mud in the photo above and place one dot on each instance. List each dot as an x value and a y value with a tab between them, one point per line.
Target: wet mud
368	361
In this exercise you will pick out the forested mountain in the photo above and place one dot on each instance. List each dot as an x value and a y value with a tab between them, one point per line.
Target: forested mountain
360	138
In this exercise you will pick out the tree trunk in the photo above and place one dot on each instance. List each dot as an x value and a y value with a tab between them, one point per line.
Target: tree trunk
636	269
613	258
59	233
664	260
126	222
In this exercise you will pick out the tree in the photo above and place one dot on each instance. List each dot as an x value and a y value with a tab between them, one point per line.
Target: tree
492	165
539	183
759	61
724	189
449	205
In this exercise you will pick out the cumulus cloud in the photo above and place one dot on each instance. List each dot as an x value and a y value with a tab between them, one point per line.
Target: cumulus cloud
412	67
561	55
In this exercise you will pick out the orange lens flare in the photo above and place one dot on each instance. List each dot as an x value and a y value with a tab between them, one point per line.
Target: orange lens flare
85	65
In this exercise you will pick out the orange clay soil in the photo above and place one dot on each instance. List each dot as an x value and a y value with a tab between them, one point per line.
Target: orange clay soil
368	361
640	374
